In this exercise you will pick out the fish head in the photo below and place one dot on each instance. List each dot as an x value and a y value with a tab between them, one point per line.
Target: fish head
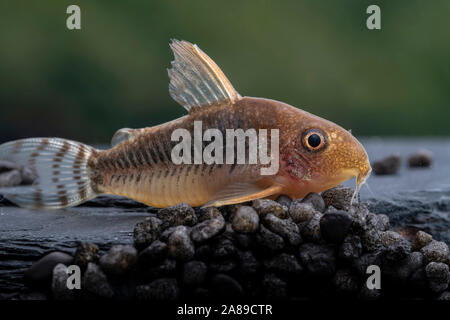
320	155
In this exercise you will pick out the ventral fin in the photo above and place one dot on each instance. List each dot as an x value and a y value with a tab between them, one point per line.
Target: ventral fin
195	79
123	135
241	192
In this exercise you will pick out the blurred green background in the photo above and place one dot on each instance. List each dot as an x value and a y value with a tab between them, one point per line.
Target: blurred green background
316	55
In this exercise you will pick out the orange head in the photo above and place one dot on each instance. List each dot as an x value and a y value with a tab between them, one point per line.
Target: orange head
316	154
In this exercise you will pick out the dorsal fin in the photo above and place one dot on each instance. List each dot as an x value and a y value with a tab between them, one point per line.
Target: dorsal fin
196	80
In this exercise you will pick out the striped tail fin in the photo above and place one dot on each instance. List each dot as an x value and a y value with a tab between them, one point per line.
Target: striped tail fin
60	167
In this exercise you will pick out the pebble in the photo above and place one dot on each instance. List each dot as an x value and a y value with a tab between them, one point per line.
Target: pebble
310	230
118	260
421	239
226	286
209	213
335	226
338	197
316	201
274	287
438	276
42	270
248	264
266	206
207	229
285	228
379	222
153	254
245	220
59	283
421	159
95	281
166	268
301	211
180	214
284	200
180	244
387	166
86	252
284	263
397	247
371	240
319	259
403	270
351	248
146	232
10	178
194	273
222	266
223	248
165	289
269	240
436	251
345	281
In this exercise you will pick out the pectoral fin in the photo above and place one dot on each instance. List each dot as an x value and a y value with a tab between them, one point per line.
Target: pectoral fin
241	192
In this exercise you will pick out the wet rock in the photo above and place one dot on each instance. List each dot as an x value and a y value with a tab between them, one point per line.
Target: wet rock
180	214
95	281
379	222
203	252
310	230
146	231
421	239
318	259
245	241
180	244
366	260
194	273
351	248
301	211
207	229
421	159
316	201
60	290
226	286
164	236
418	280
248	264
86	252
245	220
269	240
154	253
223	248
209	213
335	226
338	197
371	240
10	179
118	260
403	270
284	200
388	165
436	251
345	281
165	289
445	296
397	247
285	228
438	276
274	287
42	270
284	263
166	268
266	206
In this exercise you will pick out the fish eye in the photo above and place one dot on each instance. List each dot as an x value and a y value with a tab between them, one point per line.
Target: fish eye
314	140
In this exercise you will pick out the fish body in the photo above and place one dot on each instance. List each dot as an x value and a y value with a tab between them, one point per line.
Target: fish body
314	154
